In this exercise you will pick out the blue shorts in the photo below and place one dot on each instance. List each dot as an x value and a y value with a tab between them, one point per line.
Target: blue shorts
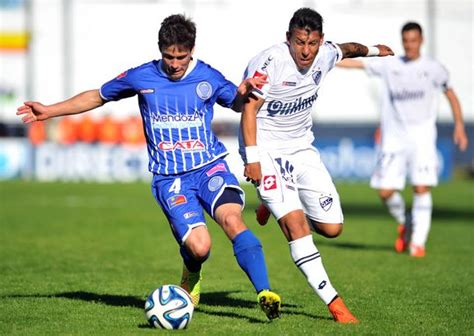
184	196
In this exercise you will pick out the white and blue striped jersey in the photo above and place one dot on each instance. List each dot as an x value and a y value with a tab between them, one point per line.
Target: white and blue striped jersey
176	115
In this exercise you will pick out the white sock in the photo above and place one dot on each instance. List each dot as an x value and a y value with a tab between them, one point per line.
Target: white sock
396	207
307	258
421	217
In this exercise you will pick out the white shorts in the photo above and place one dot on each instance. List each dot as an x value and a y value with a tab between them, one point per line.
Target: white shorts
299	181
419	163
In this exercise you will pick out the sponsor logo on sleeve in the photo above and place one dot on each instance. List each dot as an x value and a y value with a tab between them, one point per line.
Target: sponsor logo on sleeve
257	75
144	91
204	90
269	182
286	83
176	200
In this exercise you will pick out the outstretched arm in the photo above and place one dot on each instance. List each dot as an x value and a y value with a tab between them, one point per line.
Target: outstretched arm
248	123
459	135
353	49
85	101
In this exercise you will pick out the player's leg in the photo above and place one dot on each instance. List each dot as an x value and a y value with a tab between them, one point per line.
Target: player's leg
288	211
423	175
223	199
177	198
323	213
421	214
389	178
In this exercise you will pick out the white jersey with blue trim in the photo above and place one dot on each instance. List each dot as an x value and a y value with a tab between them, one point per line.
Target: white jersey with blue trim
176	115
410	99
284	122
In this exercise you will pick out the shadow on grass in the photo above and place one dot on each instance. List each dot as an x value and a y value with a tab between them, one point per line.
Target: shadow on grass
354	246
208	301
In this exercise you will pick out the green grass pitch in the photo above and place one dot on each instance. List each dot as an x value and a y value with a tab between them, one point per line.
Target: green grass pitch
79	259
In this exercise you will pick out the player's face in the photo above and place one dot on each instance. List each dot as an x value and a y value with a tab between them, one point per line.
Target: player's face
412	41
176	61
304	46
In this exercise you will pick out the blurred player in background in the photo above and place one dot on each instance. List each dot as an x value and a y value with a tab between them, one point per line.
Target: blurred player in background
176	95
408	126
276	145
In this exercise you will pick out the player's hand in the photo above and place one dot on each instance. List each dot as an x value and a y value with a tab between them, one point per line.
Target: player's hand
384	50
249	84
32	111
460	138
253	173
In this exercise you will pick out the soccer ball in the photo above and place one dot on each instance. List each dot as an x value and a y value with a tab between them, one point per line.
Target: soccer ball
169	307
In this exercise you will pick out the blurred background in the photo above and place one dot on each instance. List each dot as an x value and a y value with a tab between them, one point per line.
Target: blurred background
53	49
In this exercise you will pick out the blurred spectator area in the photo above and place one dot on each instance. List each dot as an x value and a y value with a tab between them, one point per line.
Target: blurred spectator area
85	129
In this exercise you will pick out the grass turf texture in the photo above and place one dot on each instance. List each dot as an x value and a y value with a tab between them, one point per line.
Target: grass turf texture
79	259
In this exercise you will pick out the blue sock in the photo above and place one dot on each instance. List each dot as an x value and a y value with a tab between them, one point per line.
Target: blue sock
192	264
249	254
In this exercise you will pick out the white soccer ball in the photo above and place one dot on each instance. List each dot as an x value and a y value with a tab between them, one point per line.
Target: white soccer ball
169	307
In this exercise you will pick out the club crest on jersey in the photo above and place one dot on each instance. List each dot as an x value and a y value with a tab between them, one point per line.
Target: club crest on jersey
176	200
204	90
325	202
317	76
215	183
269	182
217	168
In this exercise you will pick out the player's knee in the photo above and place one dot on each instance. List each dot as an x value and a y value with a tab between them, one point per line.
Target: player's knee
328	230
201	252
385	194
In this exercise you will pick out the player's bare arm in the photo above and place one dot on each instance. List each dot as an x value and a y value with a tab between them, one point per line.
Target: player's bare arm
252	171
354	49
35	111
244	90
459	135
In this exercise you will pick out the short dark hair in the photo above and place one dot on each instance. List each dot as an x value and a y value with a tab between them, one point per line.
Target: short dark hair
412	26
308	19
179	30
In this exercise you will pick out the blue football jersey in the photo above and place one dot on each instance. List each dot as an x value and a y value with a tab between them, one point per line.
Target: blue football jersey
176	115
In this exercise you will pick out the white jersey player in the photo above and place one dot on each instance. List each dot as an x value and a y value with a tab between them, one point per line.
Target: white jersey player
408	127
276	145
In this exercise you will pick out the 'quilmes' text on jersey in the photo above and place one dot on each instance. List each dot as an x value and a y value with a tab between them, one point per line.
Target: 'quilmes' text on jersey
275	107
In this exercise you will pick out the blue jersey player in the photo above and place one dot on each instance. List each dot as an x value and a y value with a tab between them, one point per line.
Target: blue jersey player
176	95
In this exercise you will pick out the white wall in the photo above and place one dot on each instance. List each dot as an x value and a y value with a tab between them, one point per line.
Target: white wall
110	36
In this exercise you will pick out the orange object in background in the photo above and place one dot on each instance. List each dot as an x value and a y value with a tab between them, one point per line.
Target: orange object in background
132	131
37	133
67	131
87	130
109	131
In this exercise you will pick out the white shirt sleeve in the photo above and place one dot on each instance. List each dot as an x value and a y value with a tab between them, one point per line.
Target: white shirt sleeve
262	65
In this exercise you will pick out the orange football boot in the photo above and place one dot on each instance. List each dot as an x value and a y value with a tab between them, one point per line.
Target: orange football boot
341	313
